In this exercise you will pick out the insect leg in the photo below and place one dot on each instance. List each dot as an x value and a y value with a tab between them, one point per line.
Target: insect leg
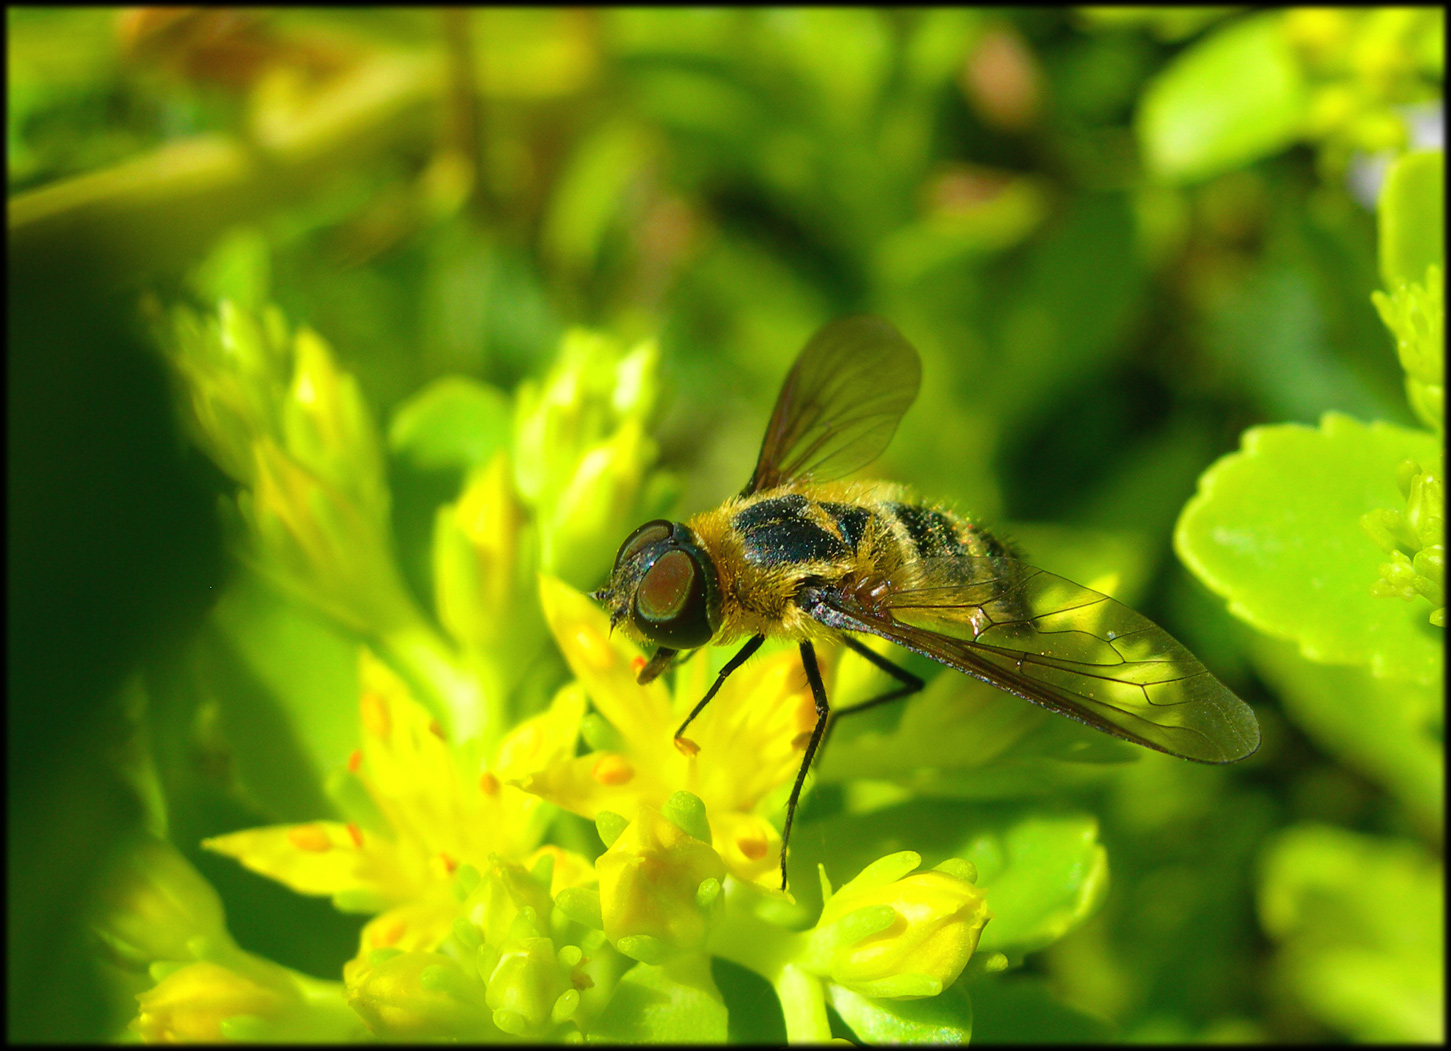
910	683
731	665
818	694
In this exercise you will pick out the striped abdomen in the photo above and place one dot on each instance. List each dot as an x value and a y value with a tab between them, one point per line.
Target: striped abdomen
793	530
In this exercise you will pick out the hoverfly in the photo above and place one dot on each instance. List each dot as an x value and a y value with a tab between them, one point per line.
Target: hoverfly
799	556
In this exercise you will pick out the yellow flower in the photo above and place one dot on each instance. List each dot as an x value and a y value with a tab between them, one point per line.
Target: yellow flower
888	934
649	885
422	996
244	998
190	1004
156	907
750	738
438	811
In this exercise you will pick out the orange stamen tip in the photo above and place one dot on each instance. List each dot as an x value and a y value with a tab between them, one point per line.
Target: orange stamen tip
801	740
356	835
375	714
752	844
612	770
355	760
449	864
388	935
687	747
310	838
436	729
489	784
637	665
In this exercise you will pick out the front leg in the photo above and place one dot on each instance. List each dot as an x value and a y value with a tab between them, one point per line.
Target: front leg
823	712
744	654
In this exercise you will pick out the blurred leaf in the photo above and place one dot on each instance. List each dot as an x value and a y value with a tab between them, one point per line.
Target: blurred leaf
286	683
1225	102
1361	921
1275	528
675	1003
942	1019
1389	730
591	193
1043	875
1065	312
1412	215
1020	1009
454	422
844	52
1166	23
238	268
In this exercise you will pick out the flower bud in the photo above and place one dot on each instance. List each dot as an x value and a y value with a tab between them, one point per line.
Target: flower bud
156	904
505	892
191	1004
422	996
525	986
476	556
327	428
650	881
888	934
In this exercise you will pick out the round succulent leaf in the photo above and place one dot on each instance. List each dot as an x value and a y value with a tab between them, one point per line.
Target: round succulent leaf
1275	529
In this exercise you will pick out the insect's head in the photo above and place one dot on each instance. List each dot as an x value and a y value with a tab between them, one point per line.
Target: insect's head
664	587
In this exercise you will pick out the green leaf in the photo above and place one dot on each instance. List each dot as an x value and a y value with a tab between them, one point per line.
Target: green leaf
942	1019
1360	920
1275	529
1225	102
454	422
1043	875
1020	1010
286	687
1388	730
676	1002
1412	218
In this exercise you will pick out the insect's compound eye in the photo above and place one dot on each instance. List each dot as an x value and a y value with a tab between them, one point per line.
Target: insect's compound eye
649	533
672	602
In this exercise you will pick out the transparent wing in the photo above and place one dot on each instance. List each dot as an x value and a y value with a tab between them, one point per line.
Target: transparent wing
1058	644
840	404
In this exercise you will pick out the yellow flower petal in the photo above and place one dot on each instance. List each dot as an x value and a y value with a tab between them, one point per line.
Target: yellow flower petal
750	846
545	739
417	926
325	857
606	666
749	736
598	781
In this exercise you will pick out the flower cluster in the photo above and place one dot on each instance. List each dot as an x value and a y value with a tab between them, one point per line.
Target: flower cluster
1415	538
483	926
1364	67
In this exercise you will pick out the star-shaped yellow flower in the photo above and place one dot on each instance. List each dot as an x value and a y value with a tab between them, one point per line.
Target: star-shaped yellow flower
751	737
437	811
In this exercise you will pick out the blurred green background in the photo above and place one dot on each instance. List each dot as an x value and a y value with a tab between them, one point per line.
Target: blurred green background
1118	239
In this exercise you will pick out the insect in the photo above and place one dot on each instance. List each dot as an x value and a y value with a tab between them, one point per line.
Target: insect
800	556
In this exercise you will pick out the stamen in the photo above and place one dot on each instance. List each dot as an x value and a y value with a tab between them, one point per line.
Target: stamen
752	844
612	770
310	838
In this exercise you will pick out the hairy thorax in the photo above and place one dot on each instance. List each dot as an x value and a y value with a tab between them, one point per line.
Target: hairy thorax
769	546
